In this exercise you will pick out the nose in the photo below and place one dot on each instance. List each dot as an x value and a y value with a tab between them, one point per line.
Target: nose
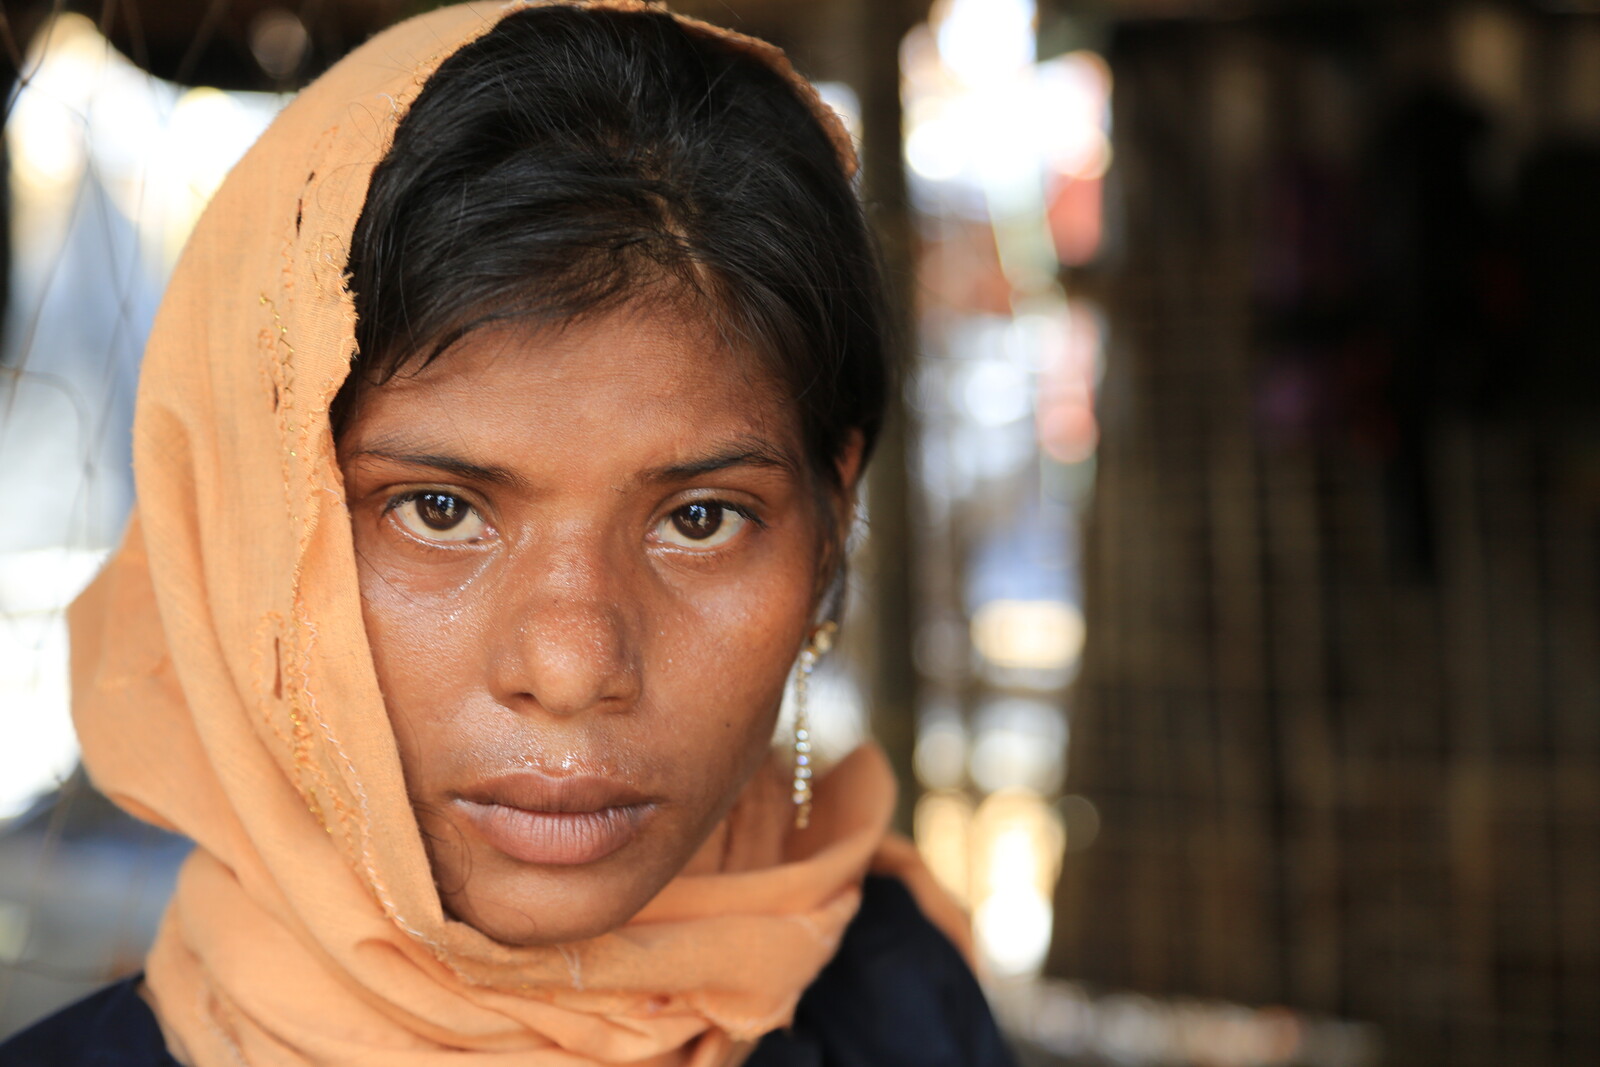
563	641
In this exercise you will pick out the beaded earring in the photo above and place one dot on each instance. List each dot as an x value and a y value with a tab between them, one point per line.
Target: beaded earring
821	641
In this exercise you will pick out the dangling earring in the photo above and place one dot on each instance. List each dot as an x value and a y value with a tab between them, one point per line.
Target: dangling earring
821	641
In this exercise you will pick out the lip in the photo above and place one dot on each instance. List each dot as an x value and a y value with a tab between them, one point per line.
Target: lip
567	821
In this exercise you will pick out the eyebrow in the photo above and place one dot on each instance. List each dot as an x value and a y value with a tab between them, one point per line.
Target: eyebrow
745	453
477	472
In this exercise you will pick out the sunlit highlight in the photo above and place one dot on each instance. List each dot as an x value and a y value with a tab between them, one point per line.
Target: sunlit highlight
1006	157
110	168
1042	635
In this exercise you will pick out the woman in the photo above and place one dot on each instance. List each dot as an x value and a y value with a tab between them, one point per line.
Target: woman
497	442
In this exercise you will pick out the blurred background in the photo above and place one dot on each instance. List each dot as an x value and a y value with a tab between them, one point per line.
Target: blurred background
1231	604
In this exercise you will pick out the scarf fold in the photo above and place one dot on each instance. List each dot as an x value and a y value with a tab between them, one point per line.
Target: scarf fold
223	688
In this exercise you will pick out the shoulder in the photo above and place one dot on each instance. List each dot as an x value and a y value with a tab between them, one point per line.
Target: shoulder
897	992
111	1028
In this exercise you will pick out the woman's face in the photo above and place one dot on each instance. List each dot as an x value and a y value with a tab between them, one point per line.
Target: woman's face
588	558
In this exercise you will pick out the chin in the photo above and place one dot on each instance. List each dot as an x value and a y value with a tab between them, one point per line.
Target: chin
510	924
529	907
522	930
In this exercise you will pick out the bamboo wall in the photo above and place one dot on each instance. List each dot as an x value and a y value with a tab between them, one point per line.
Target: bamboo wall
1340	704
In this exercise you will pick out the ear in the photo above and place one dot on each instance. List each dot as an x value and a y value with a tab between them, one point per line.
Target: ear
847	464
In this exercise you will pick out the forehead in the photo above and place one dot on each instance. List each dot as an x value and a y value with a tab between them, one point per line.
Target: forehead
663	371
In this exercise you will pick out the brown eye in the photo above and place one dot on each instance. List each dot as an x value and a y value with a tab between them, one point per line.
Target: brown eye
697	521
440	511
702	524
439	516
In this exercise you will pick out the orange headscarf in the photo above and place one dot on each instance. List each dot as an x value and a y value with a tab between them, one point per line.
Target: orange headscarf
224	688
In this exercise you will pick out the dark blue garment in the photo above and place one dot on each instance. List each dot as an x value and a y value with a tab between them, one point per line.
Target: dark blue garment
111	1028
896	994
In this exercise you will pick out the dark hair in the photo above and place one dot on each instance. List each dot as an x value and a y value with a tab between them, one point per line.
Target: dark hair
570	159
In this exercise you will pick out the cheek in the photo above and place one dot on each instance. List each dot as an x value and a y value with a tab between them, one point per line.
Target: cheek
421	643
723	662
